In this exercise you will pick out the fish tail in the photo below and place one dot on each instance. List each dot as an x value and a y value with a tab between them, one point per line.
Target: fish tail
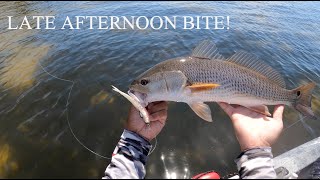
302	100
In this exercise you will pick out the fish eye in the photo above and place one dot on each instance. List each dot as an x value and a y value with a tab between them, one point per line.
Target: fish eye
144	82
298	93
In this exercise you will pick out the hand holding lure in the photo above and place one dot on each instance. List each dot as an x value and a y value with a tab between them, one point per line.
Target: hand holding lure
136	103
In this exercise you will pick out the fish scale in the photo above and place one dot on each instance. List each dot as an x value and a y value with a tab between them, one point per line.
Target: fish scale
231	77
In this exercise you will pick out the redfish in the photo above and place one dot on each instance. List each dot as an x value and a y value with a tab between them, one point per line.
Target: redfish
206	76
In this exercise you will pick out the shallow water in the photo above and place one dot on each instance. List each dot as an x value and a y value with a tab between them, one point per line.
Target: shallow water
35	141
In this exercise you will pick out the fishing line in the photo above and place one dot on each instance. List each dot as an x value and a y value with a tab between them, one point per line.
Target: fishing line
67	111
293	124
68	121
155	138
300	120
308	128
155	145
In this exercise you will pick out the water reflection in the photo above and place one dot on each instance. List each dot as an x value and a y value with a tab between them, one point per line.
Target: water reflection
21	66
171	173
7	165
35	139
98	98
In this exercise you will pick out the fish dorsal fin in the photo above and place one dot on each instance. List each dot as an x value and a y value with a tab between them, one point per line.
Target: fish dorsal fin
206	50
252	62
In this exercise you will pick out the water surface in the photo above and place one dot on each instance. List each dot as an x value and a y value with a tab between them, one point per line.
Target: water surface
35	141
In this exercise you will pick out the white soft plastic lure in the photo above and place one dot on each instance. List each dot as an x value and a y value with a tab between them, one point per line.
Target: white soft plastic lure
136	103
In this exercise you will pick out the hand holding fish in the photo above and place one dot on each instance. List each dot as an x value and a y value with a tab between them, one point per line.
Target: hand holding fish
158	117
254	129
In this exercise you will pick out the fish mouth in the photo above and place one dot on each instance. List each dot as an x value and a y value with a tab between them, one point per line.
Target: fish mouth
138	96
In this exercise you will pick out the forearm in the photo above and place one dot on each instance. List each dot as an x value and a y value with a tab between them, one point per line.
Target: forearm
129	157
256	163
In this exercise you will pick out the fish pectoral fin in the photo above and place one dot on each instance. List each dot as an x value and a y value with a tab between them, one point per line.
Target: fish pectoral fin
202	110
202	87
261	109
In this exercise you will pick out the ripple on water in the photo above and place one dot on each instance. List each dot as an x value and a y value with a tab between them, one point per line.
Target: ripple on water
33	104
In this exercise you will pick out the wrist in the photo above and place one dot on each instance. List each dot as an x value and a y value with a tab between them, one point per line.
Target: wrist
254	153
133	146
254	160
140	137
245	147
261	148
137	131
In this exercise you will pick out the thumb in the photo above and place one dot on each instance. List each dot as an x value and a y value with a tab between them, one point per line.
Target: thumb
227	108
278	111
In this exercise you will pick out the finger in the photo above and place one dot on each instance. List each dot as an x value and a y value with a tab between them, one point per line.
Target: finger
150	105
227	108
159	116
158	107
235	105
278	112
163	118
156	126
156	102
133	109
133	112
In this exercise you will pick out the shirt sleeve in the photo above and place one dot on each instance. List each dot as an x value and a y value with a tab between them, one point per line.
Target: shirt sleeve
129	157
256	163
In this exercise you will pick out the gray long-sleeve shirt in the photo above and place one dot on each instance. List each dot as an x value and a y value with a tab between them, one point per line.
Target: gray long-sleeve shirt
130	156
